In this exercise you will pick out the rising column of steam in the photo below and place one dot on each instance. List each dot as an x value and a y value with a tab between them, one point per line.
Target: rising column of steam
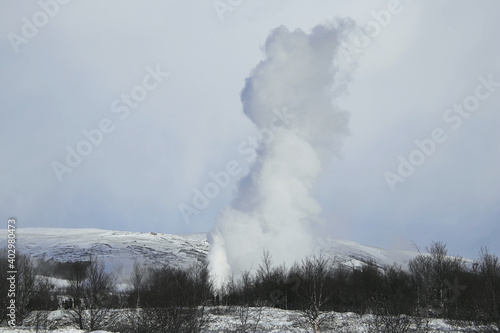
274	209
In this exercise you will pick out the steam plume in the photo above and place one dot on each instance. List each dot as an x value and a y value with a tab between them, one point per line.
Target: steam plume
274	209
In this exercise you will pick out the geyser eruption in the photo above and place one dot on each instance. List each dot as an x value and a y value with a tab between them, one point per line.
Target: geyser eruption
274	209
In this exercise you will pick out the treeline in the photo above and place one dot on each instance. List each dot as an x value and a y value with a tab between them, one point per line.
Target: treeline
31	290
173	300
434	285
163	299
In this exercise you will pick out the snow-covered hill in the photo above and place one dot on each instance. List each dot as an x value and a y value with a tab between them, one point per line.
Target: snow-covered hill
119	249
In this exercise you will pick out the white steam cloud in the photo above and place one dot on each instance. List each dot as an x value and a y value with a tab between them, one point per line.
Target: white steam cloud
274	209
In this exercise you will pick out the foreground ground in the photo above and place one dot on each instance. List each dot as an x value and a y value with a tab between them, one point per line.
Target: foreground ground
241	319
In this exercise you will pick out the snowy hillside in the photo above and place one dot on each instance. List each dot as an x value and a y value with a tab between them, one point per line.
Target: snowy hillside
119	249
354	254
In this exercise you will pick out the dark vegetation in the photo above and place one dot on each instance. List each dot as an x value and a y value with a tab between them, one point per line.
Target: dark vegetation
434	285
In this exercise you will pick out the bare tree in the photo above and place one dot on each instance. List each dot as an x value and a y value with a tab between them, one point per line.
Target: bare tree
90	289
27	286
387	323
33	292
264	270
77	277
100	286
249	317
202	284
44	301
170	302
313	289
433	272
136	279
489	269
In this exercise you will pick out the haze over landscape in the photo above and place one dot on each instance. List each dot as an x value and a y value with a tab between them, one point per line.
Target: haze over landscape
121	120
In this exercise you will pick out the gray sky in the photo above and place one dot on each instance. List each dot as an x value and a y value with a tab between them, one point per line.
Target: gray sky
72	72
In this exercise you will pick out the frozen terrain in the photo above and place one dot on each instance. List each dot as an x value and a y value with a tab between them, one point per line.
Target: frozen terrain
227	319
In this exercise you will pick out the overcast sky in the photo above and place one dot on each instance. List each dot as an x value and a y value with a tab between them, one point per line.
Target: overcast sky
161	83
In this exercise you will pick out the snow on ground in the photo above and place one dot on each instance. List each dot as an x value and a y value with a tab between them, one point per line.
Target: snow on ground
227	319
65	330
280	321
